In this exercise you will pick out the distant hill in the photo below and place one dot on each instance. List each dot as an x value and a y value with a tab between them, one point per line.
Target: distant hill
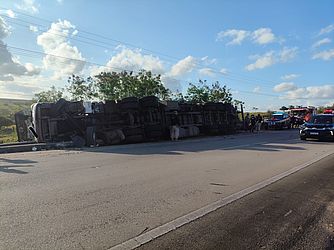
8	107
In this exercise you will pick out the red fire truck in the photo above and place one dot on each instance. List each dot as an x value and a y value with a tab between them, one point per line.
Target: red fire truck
301	114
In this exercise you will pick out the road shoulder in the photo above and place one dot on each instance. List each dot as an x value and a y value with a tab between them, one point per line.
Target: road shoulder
296	212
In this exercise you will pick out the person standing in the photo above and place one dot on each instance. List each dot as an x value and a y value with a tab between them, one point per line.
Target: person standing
292	121
247	122
174	128
258	122
252	123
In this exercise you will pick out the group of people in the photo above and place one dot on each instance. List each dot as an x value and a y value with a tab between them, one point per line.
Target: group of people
253	123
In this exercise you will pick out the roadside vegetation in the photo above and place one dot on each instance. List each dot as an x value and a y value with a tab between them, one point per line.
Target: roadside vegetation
119	85
8	107
116	86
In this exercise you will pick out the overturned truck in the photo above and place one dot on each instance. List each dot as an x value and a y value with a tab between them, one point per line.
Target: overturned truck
129	120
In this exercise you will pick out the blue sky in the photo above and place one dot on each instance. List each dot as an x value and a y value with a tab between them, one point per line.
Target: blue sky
269	53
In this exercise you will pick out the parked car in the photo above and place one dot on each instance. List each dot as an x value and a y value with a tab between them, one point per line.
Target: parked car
279	120
319	127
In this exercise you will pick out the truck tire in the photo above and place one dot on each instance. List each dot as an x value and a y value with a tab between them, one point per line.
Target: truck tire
134	139
154	131
132	131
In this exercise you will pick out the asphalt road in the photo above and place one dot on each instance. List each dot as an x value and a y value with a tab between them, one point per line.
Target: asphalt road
100	197
296	212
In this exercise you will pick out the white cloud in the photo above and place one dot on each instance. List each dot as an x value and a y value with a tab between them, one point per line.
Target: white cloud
257	89
270	58
183	66
285	86
171	83
207	61
60	1
312	92
321	42
224	71
28	6
4	29
207	72
33	28
289	77
18	90
326	30
287	54
134	60
130	60
10	13
263	61
75	32
9	65
62	58
6	78
259	36
25	87
324	55
237	36
32	69
263	36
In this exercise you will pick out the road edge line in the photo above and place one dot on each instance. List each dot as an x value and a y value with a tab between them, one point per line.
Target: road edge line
192	216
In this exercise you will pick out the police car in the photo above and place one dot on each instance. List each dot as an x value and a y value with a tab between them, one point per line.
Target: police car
278	120
319	127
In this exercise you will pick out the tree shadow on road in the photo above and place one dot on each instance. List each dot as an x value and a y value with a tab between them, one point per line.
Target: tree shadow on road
11	164
276	143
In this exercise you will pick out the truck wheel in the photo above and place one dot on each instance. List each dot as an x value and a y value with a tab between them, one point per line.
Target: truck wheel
134	138
132	131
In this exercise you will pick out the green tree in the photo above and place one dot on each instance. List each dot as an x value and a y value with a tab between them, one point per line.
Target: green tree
283	108
80	88
238	102
219	94
198	93
108	86
177	96
117	85
148	84
51	95
202	93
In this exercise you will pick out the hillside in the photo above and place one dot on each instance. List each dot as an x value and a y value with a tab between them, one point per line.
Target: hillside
8	107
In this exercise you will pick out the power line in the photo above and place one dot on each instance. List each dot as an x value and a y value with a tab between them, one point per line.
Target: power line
96	35
110	67
228	75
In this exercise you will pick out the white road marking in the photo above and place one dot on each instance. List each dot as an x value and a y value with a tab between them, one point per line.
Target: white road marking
183	220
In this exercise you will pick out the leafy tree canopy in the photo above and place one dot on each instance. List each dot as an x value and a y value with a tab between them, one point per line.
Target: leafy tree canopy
201	92
51	95
80	88
115	86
